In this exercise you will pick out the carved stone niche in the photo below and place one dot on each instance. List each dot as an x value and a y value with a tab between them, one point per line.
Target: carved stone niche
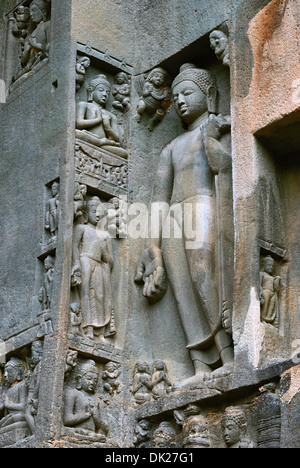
28	40
102	102
200	272
85	411
92	311
51	214
19	394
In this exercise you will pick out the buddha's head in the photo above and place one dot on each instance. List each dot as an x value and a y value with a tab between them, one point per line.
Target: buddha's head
234	426
87	377
99	90
14	370
194	93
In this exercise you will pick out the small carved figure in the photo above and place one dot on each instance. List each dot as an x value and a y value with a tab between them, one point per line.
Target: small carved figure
110	375
52	212
155	96
75	318
219	42
82	64
269	289
116	218
121	92
160	382
79	199
235	428
20	19
142	434
141	386
82	409
71	361
14	399
36	44
34	383
91	273
94	123
164	436
46	290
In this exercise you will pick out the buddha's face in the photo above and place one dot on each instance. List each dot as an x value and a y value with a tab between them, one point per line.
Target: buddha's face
232	433
101	95
93	214
36	14
89	382
189	101
10	374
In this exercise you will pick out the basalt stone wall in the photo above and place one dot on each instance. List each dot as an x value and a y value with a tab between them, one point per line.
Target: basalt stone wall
150	224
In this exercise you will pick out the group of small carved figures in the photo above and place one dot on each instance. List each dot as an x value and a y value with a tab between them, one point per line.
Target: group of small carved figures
83	406
192	428
19	396
195	431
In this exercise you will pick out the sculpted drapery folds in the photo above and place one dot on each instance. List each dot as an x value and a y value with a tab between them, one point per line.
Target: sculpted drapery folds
91	273
186	175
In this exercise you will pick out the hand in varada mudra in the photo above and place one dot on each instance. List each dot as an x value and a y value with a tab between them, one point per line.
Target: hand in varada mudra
151	272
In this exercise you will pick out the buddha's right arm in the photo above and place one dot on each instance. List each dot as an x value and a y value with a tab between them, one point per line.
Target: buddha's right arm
81	121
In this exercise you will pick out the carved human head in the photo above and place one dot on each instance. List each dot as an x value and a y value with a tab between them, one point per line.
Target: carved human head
39	11
163	436
158	77
141	367
159	365
268	264
49	262
234	425
219	43
145	424
84	61
111	366
195	433
36	352
93	210
115	201
55	188
121	78
87	376
99	90
194	92
14	370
